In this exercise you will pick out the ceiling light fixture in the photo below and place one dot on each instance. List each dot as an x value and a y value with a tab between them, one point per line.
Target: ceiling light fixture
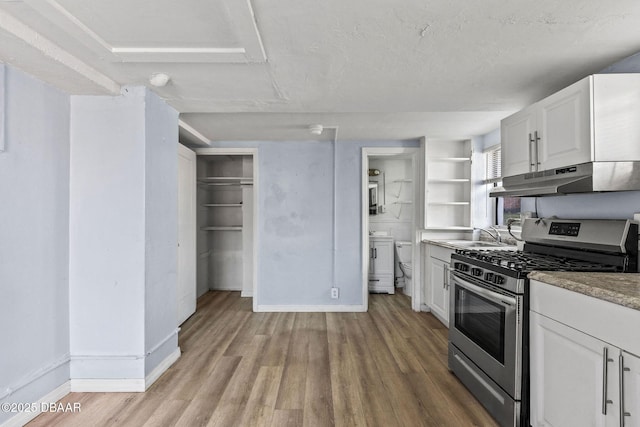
159	79
316	129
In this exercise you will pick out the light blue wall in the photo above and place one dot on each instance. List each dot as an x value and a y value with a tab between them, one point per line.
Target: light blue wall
34	241
630	64
490	139
295	217
616	205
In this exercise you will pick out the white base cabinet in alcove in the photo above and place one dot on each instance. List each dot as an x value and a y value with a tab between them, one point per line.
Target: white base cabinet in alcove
381	268
581	371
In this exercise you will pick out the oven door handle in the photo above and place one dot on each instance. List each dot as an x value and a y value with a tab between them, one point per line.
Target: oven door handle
493	296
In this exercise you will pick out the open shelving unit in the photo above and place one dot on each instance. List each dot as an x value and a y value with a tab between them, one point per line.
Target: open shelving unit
225	219
448	185
215	185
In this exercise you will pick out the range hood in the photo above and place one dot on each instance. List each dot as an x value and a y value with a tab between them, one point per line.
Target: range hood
583	178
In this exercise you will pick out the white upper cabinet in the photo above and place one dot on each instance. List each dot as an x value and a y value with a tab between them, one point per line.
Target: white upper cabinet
565	127
594	119
551	133
516	133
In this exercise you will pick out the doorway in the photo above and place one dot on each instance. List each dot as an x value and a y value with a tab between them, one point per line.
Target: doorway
391	200
227	220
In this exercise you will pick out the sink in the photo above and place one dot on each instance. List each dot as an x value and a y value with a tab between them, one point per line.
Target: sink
476	244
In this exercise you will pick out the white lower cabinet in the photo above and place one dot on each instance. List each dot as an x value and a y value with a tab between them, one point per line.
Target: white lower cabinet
438	289
437	281
578	379
631	386
381	268
568	377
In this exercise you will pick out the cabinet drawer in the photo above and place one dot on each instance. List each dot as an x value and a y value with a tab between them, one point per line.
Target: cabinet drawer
613	323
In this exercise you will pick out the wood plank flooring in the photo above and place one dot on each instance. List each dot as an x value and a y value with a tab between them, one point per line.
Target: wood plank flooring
386	367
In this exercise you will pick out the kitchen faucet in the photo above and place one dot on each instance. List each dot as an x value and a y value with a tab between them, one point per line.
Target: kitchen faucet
497	237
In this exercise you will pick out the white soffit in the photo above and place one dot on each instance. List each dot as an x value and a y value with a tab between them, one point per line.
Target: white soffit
186	31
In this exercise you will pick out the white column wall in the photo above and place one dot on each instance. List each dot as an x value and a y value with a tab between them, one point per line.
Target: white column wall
123	235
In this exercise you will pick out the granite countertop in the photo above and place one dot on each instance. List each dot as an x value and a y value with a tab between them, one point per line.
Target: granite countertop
453	244
618	288
442	243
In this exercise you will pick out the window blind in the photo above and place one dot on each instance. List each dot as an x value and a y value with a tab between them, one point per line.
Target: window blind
494	165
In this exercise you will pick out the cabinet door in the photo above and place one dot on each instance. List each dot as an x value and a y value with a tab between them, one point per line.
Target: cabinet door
631	387
438	292
567	377
564	127
383	257
516	138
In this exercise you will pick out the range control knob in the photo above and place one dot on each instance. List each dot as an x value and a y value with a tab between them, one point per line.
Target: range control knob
498	280
476	272
488	277
460	266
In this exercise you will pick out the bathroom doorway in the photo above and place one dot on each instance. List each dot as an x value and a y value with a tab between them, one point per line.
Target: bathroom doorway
390	208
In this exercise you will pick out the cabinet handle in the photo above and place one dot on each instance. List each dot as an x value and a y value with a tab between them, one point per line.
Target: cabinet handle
622	370
531	145
537	139
375	252
605	379
446	276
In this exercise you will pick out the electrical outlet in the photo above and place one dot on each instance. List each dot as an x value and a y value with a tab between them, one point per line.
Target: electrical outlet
335	293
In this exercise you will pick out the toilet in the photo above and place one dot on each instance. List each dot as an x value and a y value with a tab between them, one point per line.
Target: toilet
404	251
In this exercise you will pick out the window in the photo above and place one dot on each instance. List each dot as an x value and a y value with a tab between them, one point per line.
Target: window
504	207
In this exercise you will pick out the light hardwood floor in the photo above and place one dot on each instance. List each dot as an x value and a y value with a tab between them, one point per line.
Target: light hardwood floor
386	367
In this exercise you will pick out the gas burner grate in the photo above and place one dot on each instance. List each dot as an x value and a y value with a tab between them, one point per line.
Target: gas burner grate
526	261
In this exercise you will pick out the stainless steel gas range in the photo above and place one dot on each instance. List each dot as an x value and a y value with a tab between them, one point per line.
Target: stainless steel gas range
489	316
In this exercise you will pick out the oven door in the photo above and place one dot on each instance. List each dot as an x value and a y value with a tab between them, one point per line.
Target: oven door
486	326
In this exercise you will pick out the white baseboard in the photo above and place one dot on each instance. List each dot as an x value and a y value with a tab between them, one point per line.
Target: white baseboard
94	385
115	385
107	385
162	367
246	294
23	418
311	308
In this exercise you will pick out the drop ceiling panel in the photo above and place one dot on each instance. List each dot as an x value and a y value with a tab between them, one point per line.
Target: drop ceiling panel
182	23
185	31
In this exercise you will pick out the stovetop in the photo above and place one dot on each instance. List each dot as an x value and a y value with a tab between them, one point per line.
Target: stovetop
520	263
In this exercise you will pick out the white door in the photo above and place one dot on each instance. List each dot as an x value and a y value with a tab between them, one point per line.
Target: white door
186	292
439	294
567	377
564	127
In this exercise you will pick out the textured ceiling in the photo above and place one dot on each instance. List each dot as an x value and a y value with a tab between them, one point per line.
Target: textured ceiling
259	69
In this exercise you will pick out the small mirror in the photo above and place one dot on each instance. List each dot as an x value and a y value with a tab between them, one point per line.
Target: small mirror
373	198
